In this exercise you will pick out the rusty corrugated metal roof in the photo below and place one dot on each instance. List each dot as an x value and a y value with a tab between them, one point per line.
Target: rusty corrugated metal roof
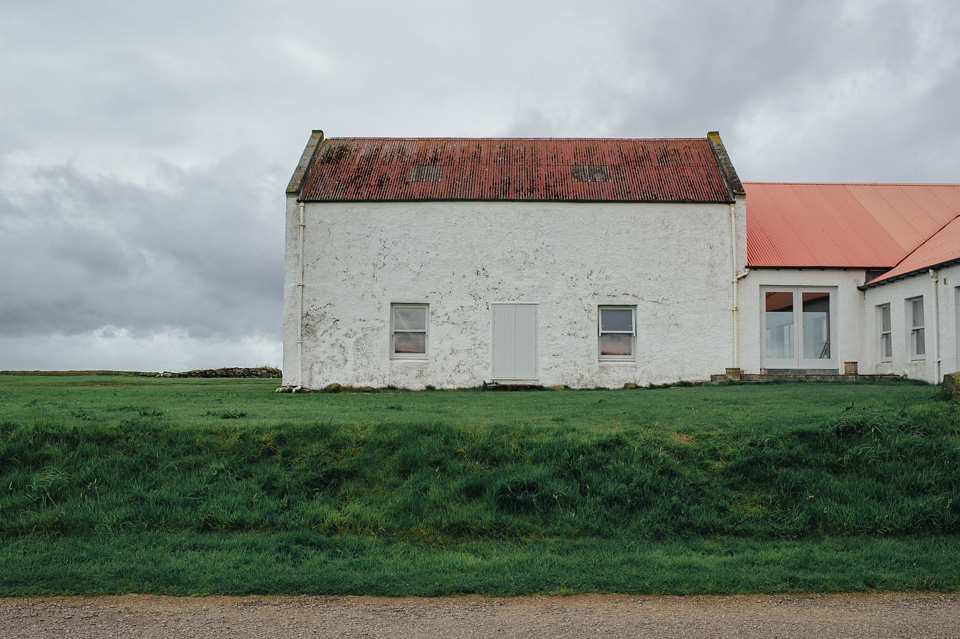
528	169
843	225
941	248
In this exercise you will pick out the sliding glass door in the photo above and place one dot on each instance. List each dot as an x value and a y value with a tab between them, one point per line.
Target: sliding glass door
798	327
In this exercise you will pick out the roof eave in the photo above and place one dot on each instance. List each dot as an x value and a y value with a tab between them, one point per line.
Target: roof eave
909	274
818	267
532	200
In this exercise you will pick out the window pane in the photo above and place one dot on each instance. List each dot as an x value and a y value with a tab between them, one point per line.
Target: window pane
410	343
886	347
816	302
616	319
917	312
816	325
885	318
779	302
616	344
779	325
920	348
409	318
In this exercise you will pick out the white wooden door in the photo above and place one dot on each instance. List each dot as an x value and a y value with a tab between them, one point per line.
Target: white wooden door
514	341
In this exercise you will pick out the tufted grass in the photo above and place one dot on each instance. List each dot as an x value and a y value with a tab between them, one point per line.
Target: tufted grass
128	484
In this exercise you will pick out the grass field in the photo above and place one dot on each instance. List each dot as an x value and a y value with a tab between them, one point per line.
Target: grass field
188	486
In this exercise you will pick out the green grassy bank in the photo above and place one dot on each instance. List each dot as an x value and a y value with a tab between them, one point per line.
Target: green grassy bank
126	484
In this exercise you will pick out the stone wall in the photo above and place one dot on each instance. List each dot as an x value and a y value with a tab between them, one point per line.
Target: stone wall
260	371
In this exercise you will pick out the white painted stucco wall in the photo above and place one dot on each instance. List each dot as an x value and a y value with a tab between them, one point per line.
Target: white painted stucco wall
945	325
673	261
848	314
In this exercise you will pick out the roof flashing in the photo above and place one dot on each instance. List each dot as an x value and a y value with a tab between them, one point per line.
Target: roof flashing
306	162
726	166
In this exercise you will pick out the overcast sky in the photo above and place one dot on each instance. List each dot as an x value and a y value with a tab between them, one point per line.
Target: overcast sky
145	147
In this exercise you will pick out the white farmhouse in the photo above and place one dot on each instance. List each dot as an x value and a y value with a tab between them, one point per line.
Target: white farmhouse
452	262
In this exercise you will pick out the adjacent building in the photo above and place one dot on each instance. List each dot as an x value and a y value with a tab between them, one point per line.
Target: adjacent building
452	262
864	273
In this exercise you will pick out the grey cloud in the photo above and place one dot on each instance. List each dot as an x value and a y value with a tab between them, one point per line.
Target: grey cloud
144	147
799	91
204	254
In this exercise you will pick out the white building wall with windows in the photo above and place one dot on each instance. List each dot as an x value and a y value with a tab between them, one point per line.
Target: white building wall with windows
846	317
670	263
941	324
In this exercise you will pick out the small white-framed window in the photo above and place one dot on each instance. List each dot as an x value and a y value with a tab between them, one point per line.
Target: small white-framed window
618	331
408	331
916	338
885	342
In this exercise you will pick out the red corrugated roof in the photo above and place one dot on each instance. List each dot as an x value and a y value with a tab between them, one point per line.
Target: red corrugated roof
629	170
942	247
844	225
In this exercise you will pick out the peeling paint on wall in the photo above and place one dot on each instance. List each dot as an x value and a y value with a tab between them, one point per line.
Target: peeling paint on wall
671	261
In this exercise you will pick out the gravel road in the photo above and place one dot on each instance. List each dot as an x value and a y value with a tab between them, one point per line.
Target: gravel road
876	616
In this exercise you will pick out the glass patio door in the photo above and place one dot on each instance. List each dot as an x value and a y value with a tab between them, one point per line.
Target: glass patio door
798	326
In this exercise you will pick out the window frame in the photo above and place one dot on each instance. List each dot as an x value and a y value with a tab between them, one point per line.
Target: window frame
797	361
916	333
394	331
632	333
884	333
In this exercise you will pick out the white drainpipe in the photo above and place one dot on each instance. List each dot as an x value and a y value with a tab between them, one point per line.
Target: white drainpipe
300	268
736	279
936	326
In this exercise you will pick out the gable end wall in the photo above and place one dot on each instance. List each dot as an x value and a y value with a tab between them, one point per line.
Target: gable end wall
671	261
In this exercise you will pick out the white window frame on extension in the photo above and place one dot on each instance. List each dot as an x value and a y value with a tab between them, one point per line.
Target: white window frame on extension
915	328
884	334
608	331
403	326
788	331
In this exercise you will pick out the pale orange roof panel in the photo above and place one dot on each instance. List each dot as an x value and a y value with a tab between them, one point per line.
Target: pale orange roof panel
943	247
843	225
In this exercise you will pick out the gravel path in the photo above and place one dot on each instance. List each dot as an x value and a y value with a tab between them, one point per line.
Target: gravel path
876	616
